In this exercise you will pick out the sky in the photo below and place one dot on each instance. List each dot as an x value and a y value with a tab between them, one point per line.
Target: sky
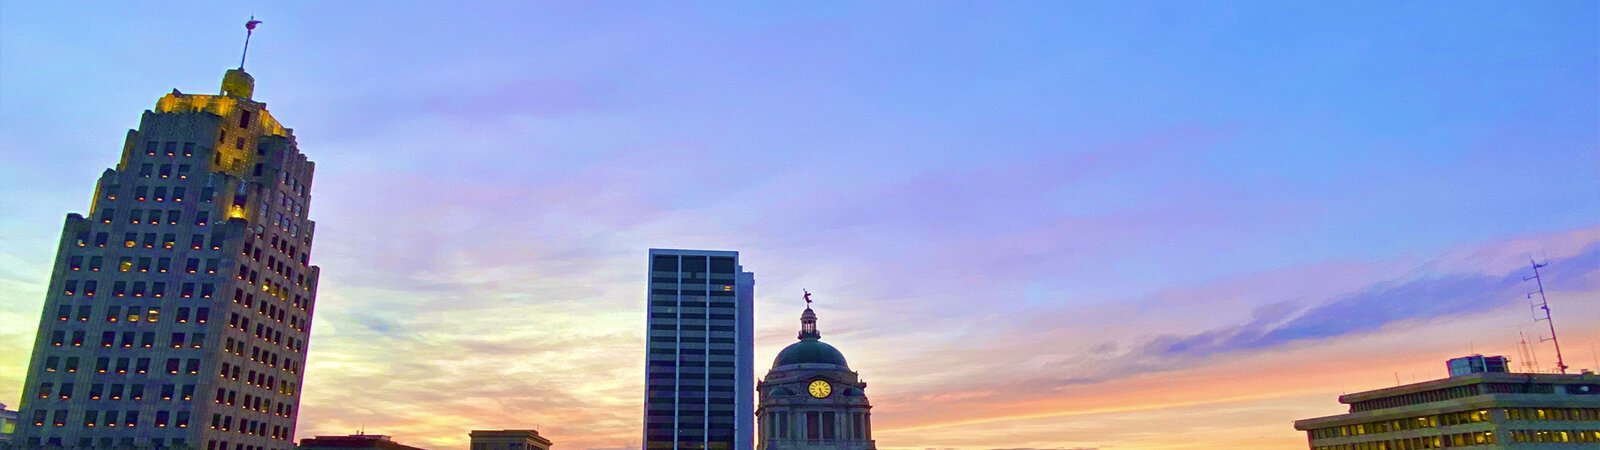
1028	225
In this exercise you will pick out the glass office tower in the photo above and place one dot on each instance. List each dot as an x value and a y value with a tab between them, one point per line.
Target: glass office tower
699	371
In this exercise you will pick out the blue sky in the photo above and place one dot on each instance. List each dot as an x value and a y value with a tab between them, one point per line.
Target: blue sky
944	175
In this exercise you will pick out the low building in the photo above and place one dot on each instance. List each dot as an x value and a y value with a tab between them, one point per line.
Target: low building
360	441
508	440
1483	410
8	424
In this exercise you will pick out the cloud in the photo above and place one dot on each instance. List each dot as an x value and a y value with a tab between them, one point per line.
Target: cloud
1426	297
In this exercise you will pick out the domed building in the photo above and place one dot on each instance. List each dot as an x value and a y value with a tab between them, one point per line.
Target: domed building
811	399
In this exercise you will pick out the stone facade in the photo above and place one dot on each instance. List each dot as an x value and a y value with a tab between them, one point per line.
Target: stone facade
811	400
178	312
508	440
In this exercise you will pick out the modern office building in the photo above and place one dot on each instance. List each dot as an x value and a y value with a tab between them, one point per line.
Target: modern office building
699	371
354	441
508	440
178	311
811	400
1484	409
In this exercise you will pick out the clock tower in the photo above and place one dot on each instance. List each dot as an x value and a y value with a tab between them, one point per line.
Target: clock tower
811	400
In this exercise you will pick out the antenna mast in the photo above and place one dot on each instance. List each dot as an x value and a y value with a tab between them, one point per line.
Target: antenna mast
1530	361
1544	305
249	28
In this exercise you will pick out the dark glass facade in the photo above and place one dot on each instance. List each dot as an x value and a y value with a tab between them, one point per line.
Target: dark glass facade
698	371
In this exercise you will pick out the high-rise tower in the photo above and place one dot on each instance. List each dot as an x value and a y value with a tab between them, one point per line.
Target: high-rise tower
177	314
699	370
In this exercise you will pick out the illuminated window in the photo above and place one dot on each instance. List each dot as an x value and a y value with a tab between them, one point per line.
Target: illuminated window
125	265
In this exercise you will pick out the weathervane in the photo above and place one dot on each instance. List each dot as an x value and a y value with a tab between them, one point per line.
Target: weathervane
249	28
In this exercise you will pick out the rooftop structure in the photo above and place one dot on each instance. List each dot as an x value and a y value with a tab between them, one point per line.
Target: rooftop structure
508	440
357	441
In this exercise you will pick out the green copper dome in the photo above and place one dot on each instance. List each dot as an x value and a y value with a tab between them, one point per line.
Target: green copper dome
810	351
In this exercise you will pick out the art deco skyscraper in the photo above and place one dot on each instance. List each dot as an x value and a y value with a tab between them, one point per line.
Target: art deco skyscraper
178	312
699	369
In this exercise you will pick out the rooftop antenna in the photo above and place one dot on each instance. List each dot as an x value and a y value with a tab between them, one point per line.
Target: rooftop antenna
1544	305
249	28
1530	360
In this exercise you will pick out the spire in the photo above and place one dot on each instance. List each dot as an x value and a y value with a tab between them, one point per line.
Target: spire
249	28
236	82
808	321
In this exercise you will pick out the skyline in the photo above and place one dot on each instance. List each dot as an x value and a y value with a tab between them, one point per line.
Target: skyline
1038	210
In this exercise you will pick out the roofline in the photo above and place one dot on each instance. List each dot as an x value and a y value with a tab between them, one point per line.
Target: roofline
687	252
1462	380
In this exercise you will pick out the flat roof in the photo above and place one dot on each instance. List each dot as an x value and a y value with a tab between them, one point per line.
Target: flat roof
1474	378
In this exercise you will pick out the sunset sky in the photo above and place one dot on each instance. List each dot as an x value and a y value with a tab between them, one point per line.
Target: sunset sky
1053	225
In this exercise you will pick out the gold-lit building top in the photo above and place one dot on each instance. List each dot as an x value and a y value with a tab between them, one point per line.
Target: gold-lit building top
244	121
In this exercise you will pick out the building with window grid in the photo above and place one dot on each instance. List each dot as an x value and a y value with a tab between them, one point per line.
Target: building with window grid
178	311
1480	410
699	369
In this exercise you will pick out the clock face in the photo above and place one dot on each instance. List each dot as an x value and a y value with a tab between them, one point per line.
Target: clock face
820	389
